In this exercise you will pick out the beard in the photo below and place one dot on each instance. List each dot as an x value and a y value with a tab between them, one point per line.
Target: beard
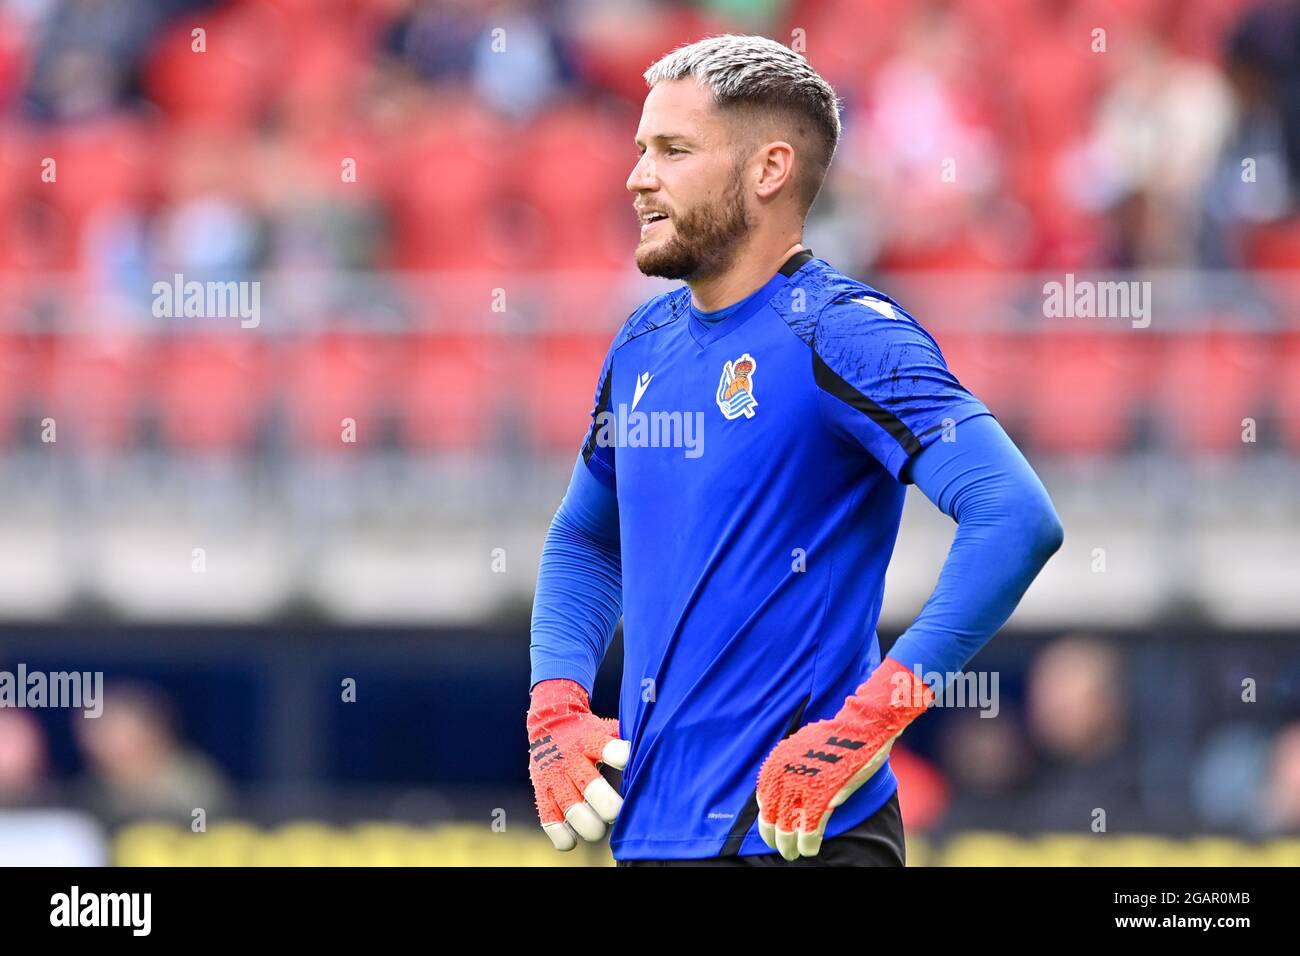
705	239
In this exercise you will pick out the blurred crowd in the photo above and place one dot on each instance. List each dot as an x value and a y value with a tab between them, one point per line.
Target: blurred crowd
220	138
387	166
134	762
1099	729
1088	725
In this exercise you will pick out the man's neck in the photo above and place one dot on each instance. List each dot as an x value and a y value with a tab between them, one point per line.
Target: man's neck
748	273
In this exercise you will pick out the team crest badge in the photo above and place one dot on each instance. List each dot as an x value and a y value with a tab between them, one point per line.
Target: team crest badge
736	388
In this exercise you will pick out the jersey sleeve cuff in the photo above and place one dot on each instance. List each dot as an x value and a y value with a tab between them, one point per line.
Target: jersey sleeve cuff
561	670
900	460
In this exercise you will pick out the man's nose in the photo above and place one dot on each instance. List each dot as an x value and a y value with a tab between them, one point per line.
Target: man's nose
642	177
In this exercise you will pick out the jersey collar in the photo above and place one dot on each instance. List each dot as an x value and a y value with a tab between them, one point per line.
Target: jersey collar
707	333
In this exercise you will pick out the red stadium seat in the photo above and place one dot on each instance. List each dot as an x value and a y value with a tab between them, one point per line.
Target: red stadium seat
1287	400
96	166
234	78
447	190
332	377
991	365
12	161
565	369
847	39
19	367
1211	381
95	389
210	391
450	383
324	70
15	57
573	173
1085	386
100	164
614	43
1273	246
1054	81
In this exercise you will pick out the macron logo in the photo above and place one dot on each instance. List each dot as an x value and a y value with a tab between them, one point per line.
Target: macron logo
880	305
642	383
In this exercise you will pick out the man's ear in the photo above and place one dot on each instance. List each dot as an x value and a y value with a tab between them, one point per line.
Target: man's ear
775	168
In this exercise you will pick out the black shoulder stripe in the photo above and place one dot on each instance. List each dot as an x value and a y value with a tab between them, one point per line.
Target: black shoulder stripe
796	262
830	381
602	405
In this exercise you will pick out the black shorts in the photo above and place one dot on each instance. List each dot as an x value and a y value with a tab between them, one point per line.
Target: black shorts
876	841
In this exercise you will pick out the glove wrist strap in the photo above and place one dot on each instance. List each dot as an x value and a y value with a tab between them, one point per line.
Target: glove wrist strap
892	693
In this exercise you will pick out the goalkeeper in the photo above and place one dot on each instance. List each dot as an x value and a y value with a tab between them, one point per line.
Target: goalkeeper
756	714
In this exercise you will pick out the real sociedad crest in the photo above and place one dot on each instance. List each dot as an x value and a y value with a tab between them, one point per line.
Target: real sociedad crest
736	388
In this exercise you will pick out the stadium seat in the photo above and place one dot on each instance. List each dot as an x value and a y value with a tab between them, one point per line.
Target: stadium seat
1211	381
990	365
18	366
232	80
210	391
325	68
12	161
449	179
1287	392
565	368
1085	387
95	389
1273	246
450	386
847	39
613	44
13	57
332	377
96	166
573	173
100	164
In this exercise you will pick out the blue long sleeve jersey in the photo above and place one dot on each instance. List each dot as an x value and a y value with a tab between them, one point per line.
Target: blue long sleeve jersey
736	500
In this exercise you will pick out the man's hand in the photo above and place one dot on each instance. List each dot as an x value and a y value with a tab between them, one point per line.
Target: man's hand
565	742
816	769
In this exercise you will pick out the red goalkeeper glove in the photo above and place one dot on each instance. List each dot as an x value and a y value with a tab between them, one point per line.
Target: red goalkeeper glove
813	771
565	742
